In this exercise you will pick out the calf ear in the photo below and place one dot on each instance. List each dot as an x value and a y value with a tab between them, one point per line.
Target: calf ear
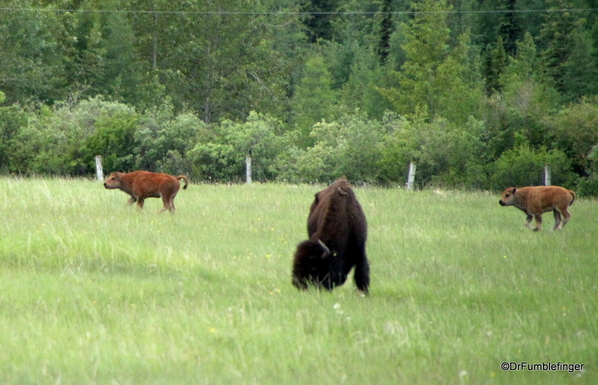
514	189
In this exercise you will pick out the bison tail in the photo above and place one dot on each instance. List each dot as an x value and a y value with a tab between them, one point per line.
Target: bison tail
183	177
572	197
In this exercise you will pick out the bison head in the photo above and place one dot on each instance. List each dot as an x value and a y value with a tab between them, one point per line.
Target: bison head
508	197
312	264
113	181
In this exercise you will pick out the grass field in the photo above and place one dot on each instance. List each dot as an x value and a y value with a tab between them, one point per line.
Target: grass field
94	292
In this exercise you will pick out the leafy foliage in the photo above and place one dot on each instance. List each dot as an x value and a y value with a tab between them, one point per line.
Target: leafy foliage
350	146
523	166
222	156
163	140
470	90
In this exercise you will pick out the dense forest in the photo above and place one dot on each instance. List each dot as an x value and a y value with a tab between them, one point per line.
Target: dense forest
480	94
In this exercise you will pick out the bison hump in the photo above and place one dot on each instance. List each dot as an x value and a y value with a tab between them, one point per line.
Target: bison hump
343	190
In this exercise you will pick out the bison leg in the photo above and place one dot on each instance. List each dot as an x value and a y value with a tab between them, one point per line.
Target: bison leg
168	204
299	283
131	200
566	217
362	271
538	218
528	221
140	203
557	219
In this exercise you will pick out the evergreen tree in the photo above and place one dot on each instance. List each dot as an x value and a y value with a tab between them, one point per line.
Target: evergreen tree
434	80
496	61
580	71
319	21
386	30
509	29
558	39
314	99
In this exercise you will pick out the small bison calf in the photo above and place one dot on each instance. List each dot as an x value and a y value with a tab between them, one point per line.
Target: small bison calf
536	200
144	184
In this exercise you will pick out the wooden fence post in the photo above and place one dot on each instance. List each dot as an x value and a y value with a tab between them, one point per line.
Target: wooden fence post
99	171
547	175
248	168
411	178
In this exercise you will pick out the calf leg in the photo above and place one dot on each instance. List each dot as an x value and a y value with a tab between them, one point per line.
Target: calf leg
168	204
131	200
140	203
172	207
557	219
538	218
528	221
566	217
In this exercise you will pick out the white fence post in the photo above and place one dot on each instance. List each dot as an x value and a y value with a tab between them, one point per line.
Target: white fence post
411	178
547	175
99	171
248	168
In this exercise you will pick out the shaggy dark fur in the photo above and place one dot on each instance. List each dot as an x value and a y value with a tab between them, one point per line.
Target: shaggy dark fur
337	231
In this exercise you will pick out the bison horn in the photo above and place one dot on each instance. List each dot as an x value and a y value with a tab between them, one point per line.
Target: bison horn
326	249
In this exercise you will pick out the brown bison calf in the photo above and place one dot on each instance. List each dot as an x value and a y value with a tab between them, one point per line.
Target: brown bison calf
536	200
337	231
144	184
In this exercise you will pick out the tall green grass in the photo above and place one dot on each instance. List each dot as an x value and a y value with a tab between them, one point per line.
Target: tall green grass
95	292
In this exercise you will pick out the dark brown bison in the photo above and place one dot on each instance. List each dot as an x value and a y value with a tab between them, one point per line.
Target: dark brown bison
536	200
337	231
144	184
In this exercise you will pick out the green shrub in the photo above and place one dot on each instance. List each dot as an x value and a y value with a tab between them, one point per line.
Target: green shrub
523	166
220	155
589	185
163	140
12	121
445	155
350	146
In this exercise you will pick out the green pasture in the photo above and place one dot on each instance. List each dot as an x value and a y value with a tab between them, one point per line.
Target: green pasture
95	292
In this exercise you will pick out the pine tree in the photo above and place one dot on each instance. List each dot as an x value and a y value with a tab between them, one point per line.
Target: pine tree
496	62
319	22
509	28
434	80
386	30
557	37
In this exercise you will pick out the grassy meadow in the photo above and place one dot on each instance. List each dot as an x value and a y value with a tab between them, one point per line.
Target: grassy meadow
95	292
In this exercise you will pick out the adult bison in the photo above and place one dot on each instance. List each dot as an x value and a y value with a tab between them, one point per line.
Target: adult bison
536	200
337	231
144	184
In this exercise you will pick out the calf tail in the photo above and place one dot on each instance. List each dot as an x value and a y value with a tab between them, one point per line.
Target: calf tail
572	197
183	177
